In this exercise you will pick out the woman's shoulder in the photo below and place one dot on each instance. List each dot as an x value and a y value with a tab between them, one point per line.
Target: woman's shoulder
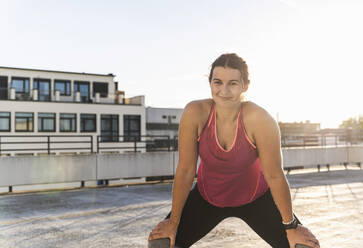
196	113
256	116
255	112
197	108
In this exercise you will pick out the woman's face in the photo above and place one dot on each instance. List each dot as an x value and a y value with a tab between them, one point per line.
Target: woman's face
227	86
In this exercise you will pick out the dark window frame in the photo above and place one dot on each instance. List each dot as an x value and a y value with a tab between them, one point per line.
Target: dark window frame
4	90
105	94
49	81
67	118
83	119
111	117
127	136
65	82
24	88
9	119
27	123
41	119
78	83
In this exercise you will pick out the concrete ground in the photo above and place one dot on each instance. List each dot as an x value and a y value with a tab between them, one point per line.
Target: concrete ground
329	203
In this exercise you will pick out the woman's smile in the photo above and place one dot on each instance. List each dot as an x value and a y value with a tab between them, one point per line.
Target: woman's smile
225	98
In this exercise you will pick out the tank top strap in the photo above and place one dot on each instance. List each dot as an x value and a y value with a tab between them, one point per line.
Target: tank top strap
211	112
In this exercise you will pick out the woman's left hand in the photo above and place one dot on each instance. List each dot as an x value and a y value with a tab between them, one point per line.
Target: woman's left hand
301	235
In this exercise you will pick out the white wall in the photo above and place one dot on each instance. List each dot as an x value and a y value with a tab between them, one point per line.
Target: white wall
55	169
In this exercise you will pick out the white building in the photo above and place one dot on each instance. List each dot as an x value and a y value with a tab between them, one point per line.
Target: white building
38	106
163	122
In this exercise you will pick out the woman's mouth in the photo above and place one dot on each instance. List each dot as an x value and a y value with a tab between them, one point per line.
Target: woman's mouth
225	98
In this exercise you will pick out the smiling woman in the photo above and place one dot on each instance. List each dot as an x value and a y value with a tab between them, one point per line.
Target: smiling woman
240	173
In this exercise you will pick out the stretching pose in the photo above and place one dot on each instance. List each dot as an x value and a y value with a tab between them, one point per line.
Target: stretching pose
240	173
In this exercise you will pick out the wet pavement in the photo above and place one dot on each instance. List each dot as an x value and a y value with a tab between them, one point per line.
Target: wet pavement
329	203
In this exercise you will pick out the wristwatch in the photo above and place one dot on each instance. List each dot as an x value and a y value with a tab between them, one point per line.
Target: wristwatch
291	225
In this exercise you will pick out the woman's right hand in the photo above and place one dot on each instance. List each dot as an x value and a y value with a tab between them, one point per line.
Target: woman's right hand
165	229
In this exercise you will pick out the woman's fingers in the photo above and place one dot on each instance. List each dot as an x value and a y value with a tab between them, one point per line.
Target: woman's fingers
172	242
316	242
156	235
312	243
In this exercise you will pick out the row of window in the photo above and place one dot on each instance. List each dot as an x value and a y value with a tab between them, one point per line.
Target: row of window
24	122
22	86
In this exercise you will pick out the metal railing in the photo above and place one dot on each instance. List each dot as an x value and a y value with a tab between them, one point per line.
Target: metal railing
150	143
44	143
144	143
85	97
320	140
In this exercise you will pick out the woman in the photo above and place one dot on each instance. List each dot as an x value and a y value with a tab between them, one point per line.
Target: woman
240	174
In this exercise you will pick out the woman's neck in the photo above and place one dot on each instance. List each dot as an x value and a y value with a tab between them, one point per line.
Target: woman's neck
227	114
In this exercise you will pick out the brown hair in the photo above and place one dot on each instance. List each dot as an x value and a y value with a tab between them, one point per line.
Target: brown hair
233	61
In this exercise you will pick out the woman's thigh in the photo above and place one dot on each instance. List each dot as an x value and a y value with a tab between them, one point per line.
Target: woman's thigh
263	216
197	219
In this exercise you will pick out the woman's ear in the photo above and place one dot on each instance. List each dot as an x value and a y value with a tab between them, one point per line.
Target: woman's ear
245	86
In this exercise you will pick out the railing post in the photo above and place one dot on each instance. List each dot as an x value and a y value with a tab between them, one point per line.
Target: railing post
135	145
91	144
0	145
98	144
169	144
48	144
324	140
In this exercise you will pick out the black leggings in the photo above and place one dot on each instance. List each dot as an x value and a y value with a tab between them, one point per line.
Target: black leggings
199	217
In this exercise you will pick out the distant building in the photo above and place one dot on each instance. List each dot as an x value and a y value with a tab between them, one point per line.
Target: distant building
310	134
45	102
163	121
287	128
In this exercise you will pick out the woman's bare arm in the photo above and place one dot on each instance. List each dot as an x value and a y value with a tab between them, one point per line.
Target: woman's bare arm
188	156
268	142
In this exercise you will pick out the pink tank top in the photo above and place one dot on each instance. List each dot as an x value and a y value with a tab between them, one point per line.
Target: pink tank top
229	178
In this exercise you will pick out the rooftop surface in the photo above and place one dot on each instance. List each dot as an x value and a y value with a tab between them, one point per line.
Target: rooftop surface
329	203
54	71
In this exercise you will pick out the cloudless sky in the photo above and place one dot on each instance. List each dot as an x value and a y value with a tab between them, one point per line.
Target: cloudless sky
304	56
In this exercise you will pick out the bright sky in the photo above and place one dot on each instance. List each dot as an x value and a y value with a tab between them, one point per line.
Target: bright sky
304	56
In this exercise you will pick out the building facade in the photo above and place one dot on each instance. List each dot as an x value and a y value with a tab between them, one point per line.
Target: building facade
38	106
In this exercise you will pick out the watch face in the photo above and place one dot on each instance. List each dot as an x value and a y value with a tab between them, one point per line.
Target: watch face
293	225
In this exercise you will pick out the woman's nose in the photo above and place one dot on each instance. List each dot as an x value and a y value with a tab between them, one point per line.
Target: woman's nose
225	90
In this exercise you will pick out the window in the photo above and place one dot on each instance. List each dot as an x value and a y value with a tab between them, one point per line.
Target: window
132	127
88	122
3	87
46	122
67	122
24	122
4	121
21	85
83	88
63	86
109	128
102	88
43	87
